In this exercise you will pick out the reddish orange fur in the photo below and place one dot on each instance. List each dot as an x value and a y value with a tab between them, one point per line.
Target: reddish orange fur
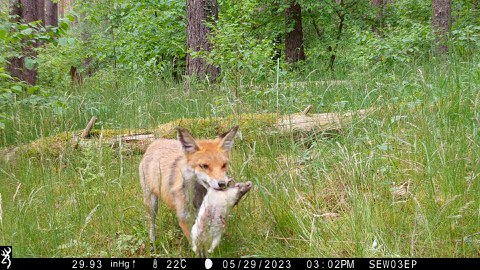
164	165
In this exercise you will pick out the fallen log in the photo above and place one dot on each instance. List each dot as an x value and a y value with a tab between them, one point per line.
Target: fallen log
317	122
88	128
136	141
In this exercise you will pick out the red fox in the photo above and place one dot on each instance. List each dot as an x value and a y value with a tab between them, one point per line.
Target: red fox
212	216
180	171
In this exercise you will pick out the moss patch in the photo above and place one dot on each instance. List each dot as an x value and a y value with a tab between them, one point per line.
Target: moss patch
250	125
49	146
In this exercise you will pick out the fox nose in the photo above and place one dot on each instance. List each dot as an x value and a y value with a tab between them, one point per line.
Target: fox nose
222	184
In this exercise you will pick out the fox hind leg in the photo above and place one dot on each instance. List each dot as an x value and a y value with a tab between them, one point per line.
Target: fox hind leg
153	215
151	202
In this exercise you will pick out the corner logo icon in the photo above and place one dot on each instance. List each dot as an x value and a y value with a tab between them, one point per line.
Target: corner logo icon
6	255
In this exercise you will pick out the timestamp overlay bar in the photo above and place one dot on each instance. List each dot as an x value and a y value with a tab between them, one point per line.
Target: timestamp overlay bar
244	263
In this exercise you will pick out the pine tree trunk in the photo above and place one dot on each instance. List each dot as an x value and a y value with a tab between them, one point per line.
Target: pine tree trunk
29	14
475	8
85	34
41	11
199	12
41	16
378	24
61	8
294	39
441	20
51	13
15	64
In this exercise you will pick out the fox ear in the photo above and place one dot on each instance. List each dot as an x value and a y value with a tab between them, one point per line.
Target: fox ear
227	138
188	142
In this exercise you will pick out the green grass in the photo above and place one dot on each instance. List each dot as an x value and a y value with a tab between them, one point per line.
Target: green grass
423	132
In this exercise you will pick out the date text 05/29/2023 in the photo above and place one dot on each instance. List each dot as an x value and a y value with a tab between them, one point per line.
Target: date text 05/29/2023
384	263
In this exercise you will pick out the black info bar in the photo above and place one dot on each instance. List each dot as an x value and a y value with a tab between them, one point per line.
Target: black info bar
243	263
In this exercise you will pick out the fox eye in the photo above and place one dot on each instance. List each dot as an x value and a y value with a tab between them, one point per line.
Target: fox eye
204	166
224	166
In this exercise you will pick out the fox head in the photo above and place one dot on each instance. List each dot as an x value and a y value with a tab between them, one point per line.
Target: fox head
208	159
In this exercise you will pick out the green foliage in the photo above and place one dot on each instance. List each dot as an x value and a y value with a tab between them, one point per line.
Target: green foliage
142	38
14	38
243	59
406	12
55	61
370	36
466	40
399	45
8	88
465	14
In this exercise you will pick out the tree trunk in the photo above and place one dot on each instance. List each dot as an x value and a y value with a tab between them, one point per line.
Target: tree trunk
15	64
294	39
378	23
318	31
29	14
41	11
30	10
199	12
41	16
61	9
333	50
85	35
475	8
64	6
441	20
51	13
277	44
